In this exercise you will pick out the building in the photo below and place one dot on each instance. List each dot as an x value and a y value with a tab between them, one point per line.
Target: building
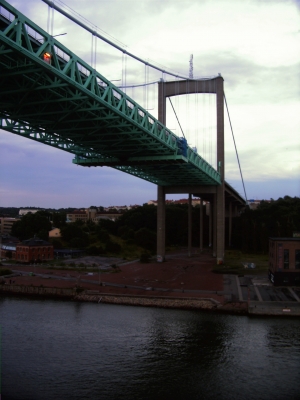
77	215
6	225
253	204
24	211
34	250
284	261
8	246
92	214
54	233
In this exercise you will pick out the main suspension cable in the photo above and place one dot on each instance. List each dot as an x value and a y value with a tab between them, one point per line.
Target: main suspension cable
237	156
94	31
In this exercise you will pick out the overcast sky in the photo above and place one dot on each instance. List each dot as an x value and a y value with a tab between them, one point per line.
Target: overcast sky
254	44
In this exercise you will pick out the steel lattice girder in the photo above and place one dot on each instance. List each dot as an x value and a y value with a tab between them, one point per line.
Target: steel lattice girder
67	104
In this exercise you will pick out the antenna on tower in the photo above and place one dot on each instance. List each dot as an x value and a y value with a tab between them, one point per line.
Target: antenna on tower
191	71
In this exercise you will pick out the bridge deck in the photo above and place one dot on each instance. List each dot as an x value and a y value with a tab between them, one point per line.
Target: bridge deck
61	101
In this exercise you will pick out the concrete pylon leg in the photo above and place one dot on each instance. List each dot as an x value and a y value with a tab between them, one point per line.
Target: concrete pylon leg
215	226
210	225
161	224
220	222
220	210
201	225
230	224
190	226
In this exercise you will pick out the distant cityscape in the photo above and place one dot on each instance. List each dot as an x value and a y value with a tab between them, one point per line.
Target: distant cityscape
9	215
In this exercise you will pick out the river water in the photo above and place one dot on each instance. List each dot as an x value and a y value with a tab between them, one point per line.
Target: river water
64	350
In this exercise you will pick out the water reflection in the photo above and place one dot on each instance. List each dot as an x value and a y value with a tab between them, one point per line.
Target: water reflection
72	351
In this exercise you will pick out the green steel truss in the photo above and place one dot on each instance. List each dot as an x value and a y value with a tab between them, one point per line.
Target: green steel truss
66	104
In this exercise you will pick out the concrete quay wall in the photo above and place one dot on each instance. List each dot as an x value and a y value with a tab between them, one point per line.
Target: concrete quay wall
37	290
163	302
290	308
96	297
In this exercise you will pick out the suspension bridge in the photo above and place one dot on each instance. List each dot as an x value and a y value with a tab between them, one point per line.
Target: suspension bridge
50	95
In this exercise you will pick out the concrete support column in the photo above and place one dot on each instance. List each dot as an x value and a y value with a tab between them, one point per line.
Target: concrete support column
215	226
230	223
161	224
220	210
201	226
210	225
190	226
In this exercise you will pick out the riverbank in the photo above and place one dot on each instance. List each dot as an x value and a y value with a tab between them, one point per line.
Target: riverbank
180	282
77	294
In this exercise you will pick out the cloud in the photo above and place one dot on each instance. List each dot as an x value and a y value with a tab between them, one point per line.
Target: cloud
254	44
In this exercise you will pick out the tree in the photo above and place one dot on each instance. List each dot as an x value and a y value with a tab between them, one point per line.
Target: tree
59	219
31	225
146	239
278	218
74	234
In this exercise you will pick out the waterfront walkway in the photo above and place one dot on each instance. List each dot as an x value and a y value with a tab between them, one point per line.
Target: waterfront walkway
180	277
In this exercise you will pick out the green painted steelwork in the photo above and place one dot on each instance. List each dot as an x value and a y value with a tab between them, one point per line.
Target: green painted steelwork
63	102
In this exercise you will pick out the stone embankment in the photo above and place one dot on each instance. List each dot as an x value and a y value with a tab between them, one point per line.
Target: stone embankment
96	297
145	301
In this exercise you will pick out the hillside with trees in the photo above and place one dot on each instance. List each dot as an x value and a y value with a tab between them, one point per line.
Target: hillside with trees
137	228
280	218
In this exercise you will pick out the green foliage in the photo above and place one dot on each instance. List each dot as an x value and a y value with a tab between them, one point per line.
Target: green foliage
5	271
74	234
253	228
90	227
59	219
109	225
125	232
113	247
30	225
146	238
94	250
145	217
43	234
137	218
103	235
57	244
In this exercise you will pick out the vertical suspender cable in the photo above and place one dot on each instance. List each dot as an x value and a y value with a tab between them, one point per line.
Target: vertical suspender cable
95	54
92	52
237	156
52	21
48	20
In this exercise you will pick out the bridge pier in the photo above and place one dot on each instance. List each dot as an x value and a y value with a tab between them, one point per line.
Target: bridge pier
220	210
190	226
201	227
161	223
214	226
230	224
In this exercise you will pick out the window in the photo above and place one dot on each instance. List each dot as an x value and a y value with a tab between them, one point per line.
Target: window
286	259
297	259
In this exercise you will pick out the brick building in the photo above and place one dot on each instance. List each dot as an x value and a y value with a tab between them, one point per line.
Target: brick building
284	261
34	250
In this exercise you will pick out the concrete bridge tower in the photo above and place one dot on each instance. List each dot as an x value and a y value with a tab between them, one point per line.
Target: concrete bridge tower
214	194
